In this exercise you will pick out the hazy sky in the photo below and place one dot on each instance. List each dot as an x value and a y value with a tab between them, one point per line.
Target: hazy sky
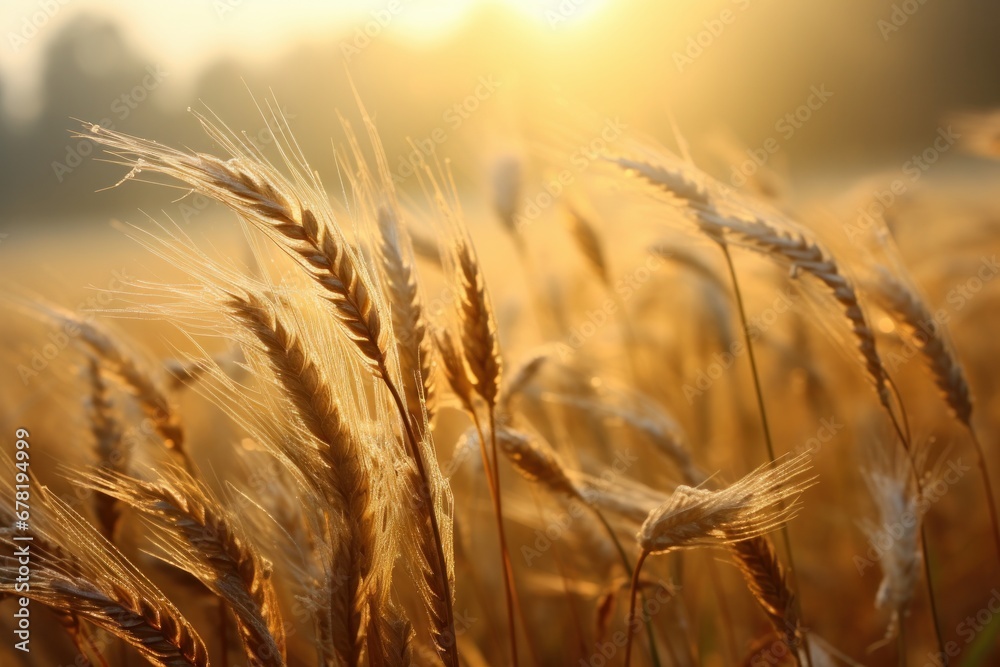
185	33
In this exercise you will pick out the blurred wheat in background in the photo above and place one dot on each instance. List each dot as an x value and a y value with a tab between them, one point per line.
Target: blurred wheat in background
499	333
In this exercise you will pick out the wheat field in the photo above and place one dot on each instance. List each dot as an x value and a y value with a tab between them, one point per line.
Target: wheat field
643	415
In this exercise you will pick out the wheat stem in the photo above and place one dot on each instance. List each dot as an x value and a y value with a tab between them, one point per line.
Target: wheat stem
449	652
987	484
654	654
630	622
493	481
765	425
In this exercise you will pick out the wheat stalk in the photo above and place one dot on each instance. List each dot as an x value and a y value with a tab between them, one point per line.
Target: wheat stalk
107	445
206	540
296	218
306	386
409	325
98	584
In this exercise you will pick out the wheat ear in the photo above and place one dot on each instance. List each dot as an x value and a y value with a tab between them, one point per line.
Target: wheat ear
785	244
126	366
390	637
767	581
696	517
479	369
105	589
589	244
929	337
347	481
206	540
409	325
273	204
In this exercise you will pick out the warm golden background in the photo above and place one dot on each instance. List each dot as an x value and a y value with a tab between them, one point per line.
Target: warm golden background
481	81
614	58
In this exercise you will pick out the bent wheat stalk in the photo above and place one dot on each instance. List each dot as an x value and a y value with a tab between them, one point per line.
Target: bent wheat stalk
297	218
695	517
928	336
203	538
303	381
106	589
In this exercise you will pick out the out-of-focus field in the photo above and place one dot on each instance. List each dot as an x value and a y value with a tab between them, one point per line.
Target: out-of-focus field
503	390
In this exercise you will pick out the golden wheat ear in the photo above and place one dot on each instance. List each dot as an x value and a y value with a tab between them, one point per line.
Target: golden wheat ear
767	580
777	239
294	213
108	447
345	478
201	537
99	585
752	506
928	336
696	517
409	323
377	205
